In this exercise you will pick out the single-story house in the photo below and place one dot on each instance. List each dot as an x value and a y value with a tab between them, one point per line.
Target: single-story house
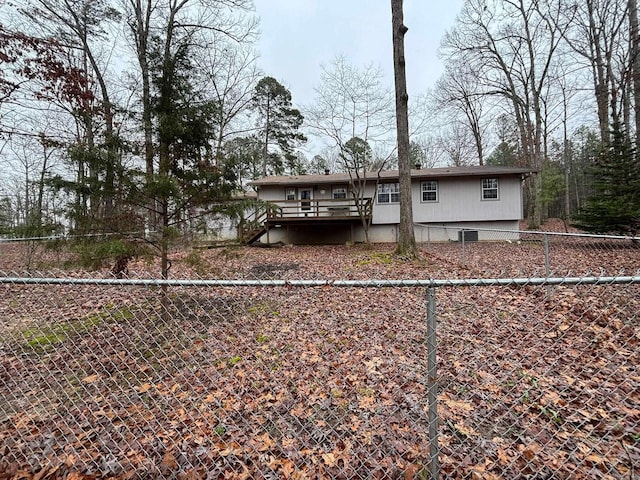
331	208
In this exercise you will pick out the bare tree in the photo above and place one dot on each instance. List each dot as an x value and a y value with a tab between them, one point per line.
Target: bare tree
427	152
80	23
231	76
512	44
458	92
30	162
596	33
634	41
51	98
352	110
138	16
457	144
351	102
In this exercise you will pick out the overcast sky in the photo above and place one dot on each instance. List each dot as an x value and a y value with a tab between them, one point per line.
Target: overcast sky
300	35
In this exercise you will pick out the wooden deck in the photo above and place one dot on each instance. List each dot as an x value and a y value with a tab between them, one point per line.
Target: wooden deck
308	213
326	210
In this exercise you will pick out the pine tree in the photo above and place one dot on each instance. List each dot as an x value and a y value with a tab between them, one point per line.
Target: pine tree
614	205
278	123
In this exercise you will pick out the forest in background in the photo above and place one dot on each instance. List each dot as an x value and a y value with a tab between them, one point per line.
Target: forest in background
125	115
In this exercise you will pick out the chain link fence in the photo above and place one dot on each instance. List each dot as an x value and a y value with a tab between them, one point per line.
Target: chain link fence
308	362
260	378
532	253
460	252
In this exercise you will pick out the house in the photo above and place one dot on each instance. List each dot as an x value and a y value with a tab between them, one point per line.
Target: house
333	208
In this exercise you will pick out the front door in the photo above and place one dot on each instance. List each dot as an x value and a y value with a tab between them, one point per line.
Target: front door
305	195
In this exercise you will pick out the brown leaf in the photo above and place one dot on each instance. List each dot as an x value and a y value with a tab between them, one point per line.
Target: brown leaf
145	387
91	378
169	461
411	471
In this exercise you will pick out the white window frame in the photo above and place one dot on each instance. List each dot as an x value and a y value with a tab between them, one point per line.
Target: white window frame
339	193
388	193
290	194
488	186
424	191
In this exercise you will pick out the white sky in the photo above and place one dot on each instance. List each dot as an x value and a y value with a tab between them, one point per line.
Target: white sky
300	35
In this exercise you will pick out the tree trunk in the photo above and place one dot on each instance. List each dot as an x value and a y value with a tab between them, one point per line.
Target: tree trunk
265	146
110	140
601	85
140	28
477	137
41	181
406	238
634	37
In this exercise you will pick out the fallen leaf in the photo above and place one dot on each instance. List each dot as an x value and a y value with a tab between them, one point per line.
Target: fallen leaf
145	387
91	378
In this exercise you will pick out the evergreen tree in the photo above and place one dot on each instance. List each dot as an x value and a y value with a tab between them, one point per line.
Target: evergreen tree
504	154
552	189
278	122
187	185
356	156
614	206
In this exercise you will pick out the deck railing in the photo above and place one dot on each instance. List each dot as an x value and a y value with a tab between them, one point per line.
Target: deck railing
327	207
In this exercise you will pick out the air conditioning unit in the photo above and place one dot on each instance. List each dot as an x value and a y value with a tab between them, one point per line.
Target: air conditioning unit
469	235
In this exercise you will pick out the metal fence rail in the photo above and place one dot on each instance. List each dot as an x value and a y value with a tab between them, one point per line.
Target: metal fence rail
269	378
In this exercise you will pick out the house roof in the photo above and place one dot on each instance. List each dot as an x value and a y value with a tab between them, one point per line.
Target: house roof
483	171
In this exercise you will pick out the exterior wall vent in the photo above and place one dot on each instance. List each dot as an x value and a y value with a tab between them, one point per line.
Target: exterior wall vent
469	235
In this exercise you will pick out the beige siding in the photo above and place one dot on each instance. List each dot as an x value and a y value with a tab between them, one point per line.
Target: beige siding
389	233
459	205
448	232
459	200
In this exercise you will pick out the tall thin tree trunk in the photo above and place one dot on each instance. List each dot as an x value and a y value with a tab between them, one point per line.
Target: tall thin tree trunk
566	157
110	140
406	239
140	29
601	85
40	200
265	146
634	37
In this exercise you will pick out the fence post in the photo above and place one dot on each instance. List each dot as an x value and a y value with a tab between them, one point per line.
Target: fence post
547	263
463	252
432	370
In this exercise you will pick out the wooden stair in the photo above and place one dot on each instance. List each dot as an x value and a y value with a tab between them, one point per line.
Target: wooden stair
251	235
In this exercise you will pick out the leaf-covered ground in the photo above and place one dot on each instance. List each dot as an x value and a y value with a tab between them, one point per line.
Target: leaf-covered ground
324	382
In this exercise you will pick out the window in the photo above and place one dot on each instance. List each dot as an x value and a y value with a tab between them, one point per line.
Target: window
290	194
430	191
489	188
388	193
339	193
